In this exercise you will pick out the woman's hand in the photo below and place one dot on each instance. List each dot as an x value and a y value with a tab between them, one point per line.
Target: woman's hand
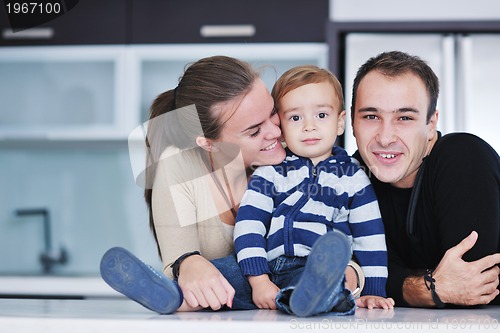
203	285
372	302
263	291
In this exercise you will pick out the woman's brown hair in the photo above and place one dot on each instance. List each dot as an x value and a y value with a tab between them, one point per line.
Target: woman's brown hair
205	84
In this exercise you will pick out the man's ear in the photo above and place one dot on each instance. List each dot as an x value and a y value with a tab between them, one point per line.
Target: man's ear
206	144
433	125
352	122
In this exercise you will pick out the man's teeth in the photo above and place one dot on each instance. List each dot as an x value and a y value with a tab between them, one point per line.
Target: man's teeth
387	155
271	146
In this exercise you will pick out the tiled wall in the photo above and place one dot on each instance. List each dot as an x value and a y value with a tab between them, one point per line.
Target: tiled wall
93	202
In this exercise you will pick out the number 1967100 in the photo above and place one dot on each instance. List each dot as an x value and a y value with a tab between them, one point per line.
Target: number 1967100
33	8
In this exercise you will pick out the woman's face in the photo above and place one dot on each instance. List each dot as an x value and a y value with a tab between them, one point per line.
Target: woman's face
254	127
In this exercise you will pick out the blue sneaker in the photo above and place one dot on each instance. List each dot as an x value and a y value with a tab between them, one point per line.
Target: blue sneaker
128	275
319	288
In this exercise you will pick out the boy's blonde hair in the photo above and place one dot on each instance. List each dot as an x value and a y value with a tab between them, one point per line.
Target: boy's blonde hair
306	74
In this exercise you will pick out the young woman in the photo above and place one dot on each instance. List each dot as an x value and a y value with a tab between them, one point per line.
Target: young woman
204	137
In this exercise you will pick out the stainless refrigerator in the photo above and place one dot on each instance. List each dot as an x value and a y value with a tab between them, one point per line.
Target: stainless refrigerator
467	65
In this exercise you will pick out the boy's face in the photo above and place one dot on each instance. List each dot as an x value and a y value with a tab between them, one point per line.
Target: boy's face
311	119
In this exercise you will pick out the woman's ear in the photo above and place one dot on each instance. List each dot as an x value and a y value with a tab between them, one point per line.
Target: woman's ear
206	144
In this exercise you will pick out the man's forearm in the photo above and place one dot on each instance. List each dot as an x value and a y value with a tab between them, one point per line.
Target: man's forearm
416	293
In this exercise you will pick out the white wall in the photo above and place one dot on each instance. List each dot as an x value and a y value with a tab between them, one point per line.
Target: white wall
421	10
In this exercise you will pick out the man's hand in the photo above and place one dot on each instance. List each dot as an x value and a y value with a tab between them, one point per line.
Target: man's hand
457	281
467	283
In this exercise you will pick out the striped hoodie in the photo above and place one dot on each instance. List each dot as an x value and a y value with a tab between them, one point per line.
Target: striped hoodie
287	207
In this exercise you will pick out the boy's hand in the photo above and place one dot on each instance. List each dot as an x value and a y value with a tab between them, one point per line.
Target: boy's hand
372	302
263	291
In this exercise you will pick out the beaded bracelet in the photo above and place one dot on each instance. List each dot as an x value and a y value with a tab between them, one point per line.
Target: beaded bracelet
429	283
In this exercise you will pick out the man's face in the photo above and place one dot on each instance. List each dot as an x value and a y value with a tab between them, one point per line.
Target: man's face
390	126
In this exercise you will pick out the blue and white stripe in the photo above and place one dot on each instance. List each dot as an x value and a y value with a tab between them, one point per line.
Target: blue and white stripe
287	207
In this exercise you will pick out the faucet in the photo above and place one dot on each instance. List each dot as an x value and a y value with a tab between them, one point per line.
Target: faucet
47	258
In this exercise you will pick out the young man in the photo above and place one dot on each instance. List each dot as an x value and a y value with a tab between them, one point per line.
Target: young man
434	191
284	233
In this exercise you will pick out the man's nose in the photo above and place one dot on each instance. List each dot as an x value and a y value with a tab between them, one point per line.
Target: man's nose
386	134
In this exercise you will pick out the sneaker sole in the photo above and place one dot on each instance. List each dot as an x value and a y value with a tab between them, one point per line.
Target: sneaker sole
130	276
324	271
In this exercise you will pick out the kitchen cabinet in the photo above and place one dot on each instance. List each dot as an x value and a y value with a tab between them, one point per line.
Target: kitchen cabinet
55	93
89	93
462	54
93	22
216	21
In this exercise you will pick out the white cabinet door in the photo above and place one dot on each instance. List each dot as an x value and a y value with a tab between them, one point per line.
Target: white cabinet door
61	92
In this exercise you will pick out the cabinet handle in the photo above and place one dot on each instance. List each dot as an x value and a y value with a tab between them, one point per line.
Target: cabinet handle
243	30
34	33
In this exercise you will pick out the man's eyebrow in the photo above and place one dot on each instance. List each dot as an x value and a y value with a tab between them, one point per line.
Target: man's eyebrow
401	110
368	109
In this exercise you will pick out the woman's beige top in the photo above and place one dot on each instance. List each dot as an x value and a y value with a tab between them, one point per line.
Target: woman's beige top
184	208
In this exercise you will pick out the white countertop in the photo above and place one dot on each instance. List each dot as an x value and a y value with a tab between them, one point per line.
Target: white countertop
123	315
63	286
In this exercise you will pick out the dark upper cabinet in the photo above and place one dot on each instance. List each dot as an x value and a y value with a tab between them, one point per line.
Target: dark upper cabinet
173	21
89	22
200	21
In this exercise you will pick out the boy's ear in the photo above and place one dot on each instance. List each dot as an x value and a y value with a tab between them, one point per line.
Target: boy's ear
206	144
341	123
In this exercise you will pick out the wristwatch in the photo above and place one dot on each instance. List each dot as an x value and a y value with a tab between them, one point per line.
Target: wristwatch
177	263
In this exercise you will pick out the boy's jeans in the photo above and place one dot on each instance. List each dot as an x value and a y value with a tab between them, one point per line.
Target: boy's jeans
287	272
